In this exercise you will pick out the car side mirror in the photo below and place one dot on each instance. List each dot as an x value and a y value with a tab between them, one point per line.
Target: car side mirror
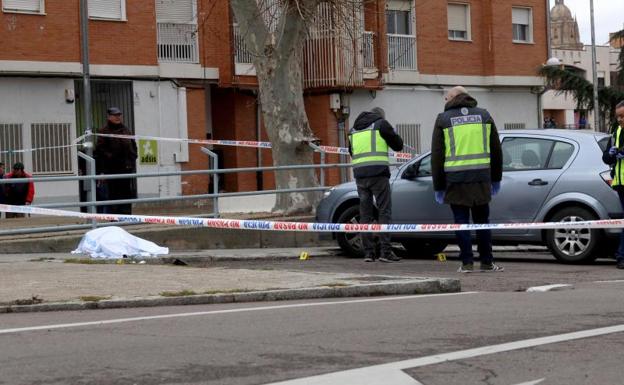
411	172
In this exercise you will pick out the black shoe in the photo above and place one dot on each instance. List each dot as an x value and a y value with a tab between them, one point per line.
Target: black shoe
389	258
369	258
620	264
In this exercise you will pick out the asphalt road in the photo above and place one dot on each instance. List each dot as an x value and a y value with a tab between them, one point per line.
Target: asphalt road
481	337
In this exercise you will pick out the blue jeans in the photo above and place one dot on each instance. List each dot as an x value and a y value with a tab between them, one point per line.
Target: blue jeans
480	214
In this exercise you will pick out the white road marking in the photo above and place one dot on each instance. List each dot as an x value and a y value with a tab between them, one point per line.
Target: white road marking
213	312
533	382
611	281
378	374
545	288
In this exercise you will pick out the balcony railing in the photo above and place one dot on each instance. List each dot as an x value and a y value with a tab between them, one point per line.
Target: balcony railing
177	43
368	49
401	52
329	59
241	53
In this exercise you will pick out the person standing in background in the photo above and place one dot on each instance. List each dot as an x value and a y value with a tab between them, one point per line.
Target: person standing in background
115	156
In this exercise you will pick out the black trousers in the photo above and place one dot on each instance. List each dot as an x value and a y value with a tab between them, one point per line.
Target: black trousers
379	188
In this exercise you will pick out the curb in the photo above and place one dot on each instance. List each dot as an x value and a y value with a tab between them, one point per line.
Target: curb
398	287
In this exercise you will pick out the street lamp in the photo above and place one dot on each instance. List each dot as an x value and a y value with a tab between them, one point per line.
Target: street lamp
595	73
552	62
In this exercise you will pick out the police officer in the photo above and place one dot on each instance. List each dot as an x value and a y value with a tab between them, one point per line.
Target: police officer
369	140
613	156
467	167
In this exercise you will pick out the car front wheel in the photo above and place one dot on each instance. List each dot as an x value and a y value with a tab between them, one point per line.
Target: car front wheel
573	245
350	243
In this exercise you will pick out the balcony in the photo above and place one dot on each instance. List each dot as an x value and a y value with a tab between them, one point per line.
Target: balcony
177	43
330	58
402	52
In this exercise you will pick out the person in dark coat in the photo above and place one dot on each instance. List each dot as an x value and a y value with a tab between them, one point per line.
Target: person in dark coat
2	196
369	141
467	170
18	194
115	156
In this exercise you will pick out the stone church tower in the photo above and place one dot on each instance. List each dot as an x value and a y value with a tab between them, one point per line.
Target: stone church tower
564	31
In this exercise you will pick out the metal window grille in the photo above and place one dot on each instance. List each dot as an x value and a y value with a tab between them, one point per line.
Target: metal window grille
368	49
515	126
11	140
410	132
402	51
52	151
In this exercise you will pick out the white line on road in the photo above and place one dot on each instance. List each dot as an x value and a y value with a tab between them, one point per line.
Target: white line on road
611	281
533	382
545	288
213	312
377	374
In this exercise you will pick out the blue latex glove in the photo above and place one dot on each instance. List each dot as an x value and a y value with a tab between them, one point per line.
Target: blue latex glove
439	197
495	188
613	151
619	156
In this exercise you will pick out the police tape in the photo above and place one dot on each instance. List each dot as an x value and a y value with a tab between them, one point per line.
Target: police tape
248	224
23	150
238	143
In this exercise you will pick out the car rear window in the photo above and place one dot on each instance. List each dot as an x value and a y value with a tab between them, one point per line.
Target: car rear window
603	141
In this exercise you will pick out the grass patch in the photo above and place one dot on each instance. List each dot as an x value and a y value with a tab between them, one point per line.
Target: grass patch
181	293
227	291
93	298
30	301
41	259
86	261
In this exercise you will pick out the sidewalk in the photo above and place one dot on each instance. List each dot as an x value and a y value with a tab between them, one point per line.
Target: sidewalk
40	282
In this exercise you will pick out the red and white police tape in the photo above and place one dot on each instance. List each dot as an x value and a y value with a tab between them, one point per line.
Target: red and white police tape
238	143
244	224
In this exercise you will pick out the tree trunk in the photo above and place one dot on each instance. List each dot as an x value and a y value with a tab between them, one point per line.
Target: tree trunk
281	99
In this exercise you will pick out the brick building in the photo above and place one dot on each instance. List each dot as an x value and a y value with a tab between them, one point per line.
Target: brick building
178	68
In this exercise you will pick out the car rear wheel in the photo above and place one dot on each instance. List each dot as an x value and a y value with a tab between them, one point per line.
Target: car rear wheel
350	243
573	245
421	248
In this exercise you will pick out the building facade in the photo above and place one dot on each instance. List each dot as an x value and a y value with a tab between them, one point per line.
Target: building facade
179	68
577	57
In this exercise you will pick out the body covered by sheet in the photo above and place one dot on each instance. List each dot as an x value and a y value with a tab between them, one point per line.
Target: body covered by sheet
114	242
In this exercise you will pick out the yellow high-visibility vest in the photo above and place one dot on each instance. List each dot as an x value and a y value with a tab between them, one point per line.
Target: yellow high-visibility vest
617	178
368	148
467	144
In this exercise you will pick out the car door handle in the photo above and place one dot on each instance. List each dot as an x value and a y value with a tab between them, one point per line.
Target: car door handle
538	182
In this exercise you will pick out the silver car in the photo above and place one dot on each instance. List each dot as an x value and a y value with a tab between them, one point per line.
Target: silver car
548	176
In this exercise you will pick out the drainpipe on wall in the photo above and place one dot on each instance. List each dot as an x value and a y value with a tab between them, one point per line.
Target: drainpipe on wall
86	97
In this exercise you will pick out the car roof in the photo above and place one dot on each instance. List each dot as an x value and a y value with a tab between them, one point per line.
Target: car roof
570	134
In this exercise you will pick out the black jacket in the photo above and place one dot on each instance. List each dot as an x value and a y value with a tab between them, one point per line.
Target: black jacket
611	160
115	155
470	187
394	141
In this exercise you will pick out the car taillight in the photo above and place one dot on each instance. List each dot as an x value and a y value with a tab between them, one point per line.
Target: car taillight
606	176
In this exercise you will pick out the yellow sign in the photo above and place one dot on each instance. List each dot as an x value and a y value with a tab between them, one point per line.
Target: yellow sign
148	151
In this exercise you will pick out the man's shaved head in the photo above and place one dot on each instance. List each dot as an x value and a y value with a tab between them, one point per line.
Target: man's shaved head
453	92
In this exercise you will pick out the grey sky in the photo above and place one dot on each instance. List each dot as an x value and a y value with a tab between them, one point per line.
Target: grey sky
609	17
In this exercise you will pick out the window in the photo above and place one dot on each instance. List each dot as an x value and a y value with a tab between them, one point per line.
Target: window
54	143
11	139
514	126
522	24
521	154
458	21
398	22
410	132
107	9
175	11
29	6
560	155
